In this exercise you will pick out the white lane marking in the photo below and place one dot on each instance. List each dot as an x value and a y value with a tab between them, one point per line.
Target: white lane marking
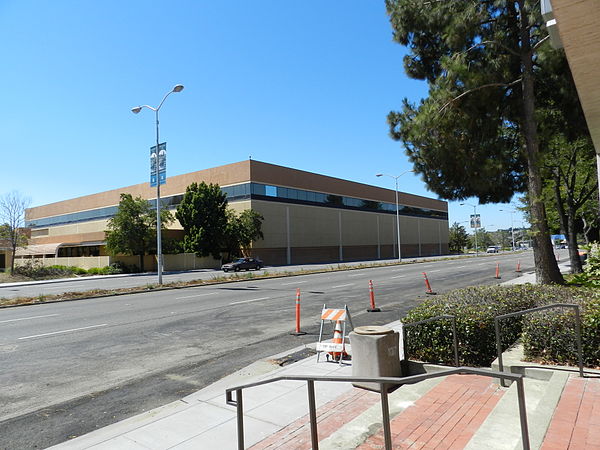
399	276
357	275
482	264
197	295
294	282
63	331
64	286
342	285
27	318
437	270
250	301
460	267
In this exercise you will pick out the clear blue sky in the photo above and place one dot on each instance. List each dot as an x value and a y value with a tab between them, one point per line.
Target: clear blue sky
304	84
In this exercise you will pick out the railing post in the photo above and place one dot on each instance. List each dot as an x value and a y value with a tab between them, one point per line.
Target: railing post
578	337
522	414
240	419
499	350
404	342
312	410
385	416
455	340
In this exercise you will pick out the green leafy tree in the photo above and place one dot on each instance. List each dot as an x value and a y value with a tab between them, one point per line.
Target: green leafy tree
476	133
231	243
484	239
12	218
132	230
458	238
202	214
241	231
250	229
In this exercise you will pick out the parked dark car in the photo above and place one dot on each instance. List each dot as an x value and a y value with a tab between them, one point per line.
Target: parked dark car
243	264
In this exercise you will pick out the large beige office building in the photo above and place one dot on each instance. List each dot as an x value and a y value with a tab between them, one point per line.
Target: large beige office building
308	217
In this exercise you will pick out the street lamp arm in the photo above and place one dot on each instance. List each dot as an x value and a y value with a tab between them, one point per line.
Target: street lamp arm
395	177
163	100
137	109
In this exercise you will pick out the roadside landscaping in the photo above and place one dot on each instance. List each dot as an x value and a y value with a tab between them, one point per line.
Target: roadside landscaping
547	336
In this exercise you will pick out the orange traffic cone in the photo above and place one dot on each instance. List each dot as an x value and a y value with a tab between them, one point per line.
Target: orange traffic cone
338	339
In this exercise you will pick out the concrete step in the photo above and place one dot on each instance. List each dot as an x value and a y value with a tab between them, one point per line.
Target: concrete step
502	429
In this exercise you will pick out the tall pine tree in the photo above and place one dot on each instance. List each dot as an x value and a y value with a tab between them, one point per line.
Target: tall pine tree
476	133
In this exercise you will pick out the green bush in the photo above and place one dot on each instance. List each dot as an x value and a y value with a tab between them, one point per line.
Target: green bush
34	269
475	309
549	336
590	277
118	267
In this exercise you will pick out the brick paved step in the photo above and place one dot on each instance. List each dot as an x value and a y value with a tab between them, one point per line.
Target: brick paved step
456	412
446	417
576	420
359	428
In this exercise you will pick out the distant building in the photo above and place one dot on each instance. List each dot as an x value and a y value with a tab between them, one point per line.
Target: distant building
5	254
309	218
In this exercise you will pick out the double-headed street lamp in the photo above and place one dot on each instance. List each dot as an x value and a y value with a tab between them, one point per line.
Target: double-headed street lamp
512	228
397	208
135	110
475	219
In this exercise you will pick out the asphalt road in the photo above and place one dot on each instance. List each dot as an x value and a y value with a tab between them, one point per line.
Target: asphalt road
71	367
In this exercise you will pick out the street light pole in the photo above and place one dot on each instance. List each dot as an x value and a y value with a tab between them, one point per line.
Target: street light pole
136	110
397	208
475	217
512	228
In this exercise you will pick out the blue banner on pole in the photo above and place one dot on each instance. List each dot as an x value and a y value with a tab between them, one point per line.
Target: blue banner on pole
162	164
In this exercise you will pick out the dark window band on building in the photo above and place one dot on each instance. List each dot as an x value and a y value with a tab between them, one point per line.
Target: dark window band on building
257	191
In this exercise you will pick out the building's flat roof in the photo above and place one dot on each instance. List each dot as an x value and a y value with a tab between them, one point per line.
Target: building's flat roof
231	174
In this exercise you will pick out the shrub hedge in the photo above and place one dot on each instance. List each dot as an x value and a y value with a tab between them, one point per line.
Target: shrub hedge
549	336
475	309
35	270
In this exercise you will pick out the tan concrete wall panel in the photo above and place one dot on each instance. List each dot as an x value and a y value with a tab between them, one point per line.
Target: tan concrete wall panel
409	230
274	225
312	226
359	228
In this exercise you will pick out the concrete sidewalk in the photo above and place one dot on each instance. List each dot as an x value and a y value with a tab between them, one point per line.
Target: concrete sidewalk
459	411
204	420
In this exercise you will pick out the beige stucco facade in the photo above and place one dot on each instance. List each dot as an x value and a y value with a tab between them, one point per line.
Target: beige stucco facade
297	227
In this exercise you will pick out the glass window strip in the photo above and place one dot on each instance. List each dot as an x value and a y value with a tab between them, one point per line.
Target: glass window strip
254	190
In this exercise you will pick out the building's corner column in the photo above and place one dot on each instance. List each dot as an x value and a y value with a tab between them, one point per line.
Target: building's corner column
419	233
440	236
378	240
341	256
287	225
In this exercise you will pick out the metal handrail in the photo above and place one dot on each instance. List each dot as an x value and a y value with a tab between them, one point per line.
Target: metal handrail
383	382
431	319
497	320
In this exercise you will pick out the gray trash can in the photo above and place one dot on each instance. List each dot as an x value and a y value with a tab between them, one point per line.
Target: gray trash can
375	353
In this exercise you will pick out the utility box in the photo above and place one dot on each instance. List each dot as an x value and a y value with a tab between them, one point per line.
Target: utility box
375	353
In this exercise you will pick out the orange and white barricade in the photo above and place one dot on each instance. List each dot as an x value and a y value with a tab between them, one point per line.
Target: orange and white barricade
338	347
